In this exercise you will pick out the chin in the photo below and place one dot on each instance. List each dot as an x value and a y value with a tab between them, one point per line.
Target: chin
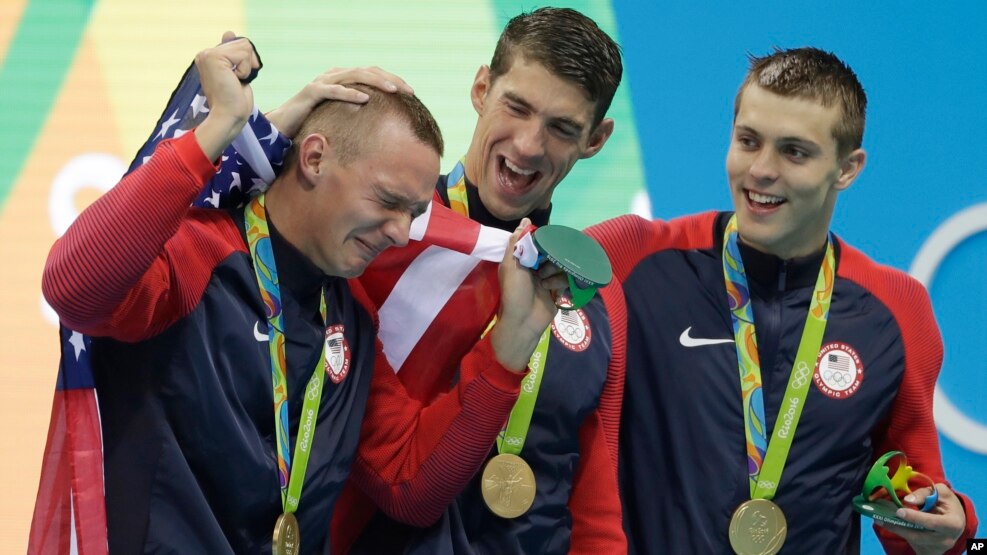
517	208
511	214
500	209
503	206
344	269
354	271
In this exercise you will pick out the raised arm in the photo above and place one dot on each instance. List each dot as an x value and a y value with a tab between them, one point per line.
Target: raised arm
120	239
414	460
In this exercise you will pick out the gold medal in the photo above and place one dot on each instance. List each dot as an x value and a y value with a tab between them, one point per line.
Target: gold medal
757	527
286	535
508	486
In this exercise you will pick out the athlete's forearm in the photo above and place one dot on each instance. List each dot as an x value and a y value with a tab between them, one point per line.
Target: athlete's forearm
114	241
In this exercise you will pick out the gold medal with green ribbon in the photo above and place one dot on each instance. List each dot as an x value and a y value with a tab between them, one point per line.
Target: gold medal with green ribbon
291	477
758	526
508	484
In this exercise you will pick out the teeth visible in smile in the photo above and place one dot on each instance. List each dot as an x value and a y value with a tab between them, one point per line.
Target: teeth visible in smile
764	199
516	169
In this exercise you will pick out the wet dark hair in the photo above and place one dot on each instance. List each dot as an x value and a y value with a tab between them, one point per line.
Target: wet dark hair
568	44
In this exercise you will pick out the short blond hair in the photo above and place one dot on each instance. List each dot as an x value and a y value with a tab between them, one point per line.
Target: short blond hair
353	127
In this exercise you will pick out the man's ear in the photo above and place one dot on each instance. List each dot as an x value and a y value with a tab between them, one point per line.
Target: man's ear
313	151
598	137
481	86
850	168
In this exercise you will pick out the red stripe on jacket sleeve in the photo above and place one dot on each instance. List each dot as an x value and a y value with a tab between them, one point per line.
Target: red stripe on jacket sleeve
111	273
595	503
597	525
910	426
352	513
612	398
628	239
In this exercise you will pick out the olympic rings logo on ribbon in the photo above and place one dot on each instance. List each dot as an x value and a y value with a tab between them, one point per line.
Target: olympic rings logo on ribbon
313	388
801	377
767	485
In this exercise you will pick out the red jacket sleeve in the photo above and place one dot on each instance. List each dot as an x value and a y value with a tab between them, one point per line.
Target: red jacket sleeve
612	397
910	427
113	273
413	460
595	502
597	525
628	239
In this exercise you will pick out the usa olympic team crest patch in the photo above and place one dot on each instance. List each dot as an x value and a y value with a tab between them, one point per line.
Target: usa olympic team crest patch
337	354
839	370
571	328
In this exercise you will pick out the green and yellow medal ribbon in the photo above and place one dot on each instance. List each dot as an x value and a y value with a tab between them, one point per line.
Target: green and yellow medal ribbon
511	438
291	477
456	188
766	462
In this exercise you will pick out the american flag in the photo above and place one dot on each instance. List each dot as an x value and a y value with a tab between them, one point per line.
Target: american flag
69	514
837	362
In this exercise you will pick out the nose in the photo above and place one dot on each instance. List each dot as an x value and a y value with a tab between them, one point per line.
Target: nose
764	166
529	142
397	230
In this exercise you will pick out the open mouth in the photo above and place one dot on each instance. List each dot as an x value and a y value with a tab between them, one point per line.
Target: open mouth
760	202
513	179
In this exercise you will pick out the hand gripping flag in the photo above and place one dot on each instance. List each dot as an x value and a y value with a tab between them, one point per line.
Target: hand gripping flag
70	512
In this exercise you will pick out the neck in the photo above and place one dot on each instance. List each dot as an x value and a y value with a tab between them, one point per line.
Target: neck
471	165
789	252
479	212
768	273
285	212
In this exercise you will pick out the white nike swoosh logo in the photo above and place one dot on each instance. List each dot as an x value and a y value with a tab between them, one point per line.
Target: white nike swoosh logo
263	336
687	341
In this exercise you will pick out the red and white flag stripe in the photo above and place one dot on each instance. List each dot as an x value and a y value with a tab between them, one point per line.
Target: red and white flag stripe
456	245
442	227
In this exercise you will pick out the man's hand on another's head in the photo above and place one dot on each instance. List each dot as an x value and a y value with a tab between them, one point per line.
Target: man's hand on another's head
331	85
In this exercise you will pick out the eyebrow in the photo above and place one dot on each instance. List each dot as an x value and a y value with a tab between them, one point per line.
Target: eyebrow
389	195
527	105
782	140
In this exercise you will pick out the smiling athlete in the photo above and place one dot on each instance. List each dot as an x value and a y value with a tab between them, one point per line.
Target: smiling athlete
769	363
